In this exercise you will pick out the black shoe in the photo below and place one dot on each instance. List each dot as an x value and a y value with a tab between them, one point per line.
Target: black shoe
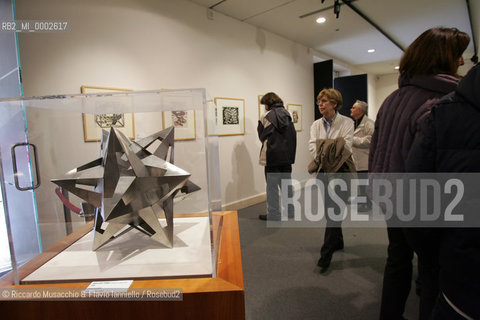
323	264
324	269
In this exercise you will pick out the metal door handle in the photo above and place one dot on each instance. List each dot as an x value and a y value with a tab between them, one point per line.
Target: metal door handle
15	172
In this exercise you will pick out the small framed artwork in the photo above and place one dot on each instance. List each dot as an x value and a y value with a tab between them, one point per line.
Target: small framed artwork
296	113
94	123
261	107
183	121
230	115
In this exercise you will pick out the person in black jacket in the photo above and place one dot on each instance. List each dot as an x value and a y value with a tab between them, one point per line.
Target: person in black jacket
428	71
450	142
279	142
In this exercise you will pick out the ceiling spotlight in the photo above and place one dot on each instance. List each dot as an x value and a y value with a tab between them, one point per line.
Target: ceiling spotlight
371	50
321	20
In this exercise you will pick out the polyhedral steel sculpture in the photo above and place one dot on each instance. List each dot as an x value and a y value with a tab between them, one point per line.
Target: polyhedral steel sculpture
131	186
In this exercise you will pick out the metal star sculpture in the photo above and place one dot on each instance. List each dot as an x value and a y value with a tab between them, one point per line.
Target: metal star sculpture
130	186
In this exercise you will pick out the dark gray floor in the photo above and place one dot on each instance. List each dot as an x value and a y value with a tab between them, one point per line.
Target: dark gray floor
282	280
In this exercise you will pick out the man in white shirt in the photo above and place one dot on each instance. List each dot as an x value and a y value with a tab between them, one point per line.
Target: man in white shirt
362	136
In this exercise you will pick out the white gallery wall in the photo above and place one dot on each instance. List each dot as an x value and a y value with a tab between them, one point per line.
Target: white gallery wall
155	44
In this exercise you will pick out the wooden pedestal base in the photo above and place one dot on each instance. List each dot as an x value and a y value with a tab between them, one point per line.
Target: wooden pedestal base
221	297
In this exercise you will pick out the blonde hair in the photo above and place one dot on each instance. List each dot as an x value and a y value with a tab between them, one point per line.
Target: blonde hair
333	95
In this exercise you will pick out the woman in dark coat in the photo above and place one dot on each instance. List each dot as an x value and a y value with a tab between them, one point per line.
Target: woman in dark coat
428	71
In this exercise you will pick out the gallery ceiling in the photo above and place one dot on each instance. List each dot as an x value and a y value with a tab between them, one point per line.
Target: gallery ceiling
349	37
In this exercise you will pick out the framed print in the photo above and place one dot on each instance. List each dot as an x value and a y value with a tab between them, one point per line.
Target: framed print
183	121
261	107
93	123
296	113
230	116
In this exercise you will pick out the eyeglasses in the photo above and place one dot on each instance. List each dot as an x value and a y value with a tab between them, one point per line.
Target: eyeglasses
322	101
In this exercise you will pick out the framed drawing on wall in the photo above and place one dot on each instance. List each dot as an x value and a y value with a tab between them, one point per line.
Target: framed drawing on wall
296	113
183	121
94	123
261	107
230	115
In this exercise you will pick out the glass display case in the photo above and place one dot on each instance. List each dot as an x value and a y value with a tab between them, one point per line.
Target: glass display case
43	138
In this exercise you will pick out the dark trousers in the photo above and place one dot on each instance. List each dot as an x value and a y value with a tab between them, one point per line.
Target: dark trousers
333	239
428	276
397	277
428	271
274	176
